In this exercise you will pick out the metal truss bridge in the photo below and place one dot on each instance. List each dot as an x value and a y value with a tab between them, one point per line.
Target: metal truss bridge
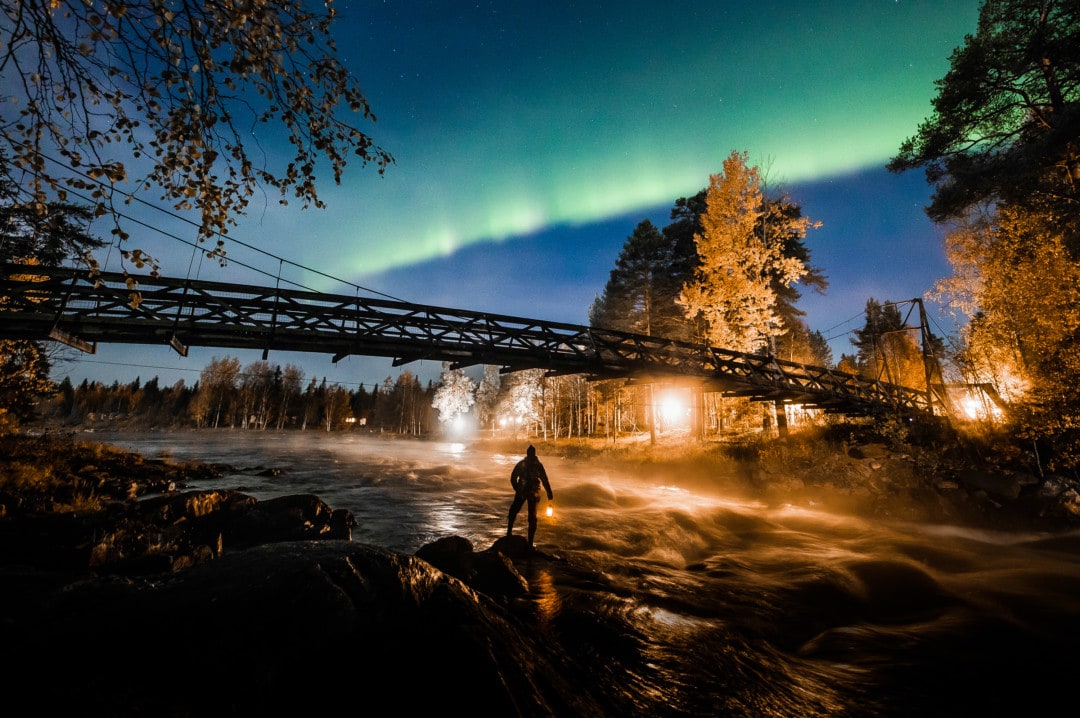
81	309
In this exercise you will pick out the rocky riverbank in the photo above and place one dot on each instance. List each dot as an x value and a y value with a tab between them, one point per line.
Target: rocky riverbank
126	593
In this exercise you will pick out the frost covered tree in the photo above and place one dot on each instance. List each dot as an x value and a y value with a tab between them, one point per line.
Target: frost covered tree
454	395
108	98
487	397
522	399
731	289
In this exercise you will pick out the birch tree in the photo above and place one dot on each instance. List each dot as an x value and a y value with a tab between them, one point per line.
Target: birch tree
487	397
217	387
732	288
107	99
1014	276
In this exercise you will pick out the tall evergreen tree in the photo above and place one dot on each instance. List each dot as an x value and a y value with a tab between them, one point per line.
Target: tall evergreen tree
1006	118
34	233
890	348
640	293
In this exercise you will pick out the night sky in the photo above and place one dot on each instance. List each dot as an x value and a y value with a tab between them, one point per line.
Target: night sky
530	138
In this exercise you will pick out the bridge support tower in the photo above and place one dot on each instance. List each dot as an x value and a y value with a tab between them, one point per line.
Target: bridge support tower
781	418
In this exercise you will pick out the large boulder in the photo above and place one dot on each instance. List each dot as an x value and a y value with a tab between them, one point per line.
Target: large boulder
211	603
491	572
165	533
294	628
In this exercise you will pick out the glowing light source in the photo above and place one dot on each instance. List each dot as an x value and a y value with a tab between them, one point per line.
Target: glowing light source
978	408
550	511
673	408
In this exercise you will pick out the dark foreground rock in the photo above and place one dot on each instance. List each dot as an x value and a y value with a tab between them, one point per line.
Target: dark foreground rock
294	628
211	603
165	602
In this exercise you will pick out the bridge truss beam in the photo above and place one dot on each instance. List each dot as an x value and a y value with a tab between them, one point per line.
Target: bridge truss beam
81	309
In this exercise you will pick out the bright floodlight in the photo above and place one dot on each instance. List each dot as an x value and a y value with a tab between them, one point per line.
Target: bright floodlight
673	409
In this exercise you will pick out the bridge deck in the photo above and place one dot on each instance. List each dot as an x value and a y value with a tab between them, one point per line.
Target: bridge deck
80	309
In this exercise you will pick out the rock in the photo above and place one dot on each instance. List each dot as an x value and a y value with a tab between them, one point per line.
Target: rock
868	451
165	533
285	628
998	484
453	555
490	572
289	518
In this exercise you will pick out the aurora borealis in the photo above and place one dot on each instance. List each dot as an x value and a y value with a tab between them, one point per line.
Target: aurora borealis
508	118
531	137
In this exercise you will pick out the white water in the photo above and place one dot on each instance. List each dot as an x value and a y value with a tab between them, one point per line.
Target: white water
734	607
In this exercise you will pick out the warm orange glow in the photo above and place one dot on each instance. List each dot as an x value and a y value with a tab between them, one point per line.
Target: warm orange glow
550	511
1011	385
673	408
979	408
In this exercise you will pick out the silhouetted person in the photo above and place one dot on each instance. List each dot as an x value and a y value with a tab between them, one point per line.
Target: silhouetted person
526	478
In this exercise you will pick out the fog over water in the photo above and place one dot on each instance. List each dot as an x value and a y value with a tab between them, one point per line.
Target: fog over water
730	606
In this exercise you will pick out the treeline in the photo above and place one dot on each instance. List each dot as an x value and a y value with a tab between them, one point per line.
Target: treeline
529	403
258	396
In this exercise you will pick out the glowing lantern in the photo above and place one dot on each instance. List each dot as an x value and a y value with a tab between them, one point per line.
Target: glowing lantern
550	511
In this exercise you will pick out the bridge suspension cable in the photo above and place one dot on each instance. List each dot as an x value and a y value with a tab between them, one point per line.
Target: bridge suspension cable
135	199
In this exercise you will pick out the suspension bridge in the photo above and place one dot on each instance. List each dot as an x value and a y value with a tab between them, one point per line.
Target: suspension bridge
81	309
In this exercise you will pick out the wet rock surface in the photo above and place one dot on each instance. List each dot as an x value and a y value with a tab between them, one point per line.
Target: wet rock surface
284	628
211	603
168	602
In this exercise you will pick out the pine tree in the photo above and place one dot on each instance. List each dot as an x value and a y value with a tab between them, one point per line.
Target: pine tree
640	293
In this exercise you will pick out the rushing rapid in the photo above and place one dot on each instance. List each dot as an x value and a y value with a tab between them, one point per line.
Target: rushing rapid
722	605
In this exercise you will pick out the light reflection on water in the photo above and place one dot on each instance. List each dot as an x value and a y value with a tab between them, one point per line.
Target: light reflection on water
833	614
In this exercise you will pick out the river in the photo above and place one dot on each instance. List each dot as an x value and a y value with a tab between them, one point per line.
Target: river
723	605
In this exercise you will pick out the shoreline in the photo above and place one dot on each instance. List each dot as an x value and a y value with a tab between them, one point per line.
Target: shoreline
862	477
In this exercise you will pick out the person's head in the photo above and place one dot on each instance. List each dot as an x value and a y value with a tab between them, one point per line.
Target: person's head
531	451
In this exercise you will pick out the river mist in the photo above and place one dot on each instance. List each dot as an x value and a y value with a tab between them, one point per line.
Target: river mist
693	598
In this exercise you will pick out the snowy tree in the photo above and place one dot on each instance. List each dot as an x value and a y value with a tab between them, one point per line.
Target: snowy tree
455	394
733	286
487	396
523	398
